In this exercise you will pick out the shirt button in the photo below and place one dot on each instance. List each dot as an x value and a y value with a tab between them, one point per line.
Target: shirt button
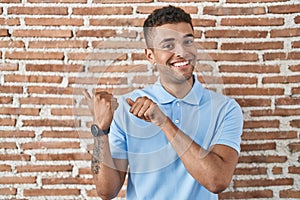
178	104
176	121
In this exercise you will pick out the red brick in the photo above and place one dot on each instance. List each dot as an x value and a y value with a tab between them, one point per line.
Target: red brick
96	33
294	147
66	134
11	1
252	22
294	170
53	21
251	171
37	10
255	1
14	157
254	91
277	170
17	134
296	90
261	124
57	1
297	20
289	194
99	81
264	182
97	56
252	46
65	156
296	44
103	11
10	21
12	44
247	194
17	180
118	45
290	32
262	159
47	101
275	56
281	79
149	9
7	122
118	68
250	68
4	33
144	79
54	68
50	122
51	192
5	168
287	101
280	135
30	55
20	111
235	34
8	191
204	22
276	112
284	9
66	181
43	33
129	22
6	100
49	90
243	102
58	44
258	147
219	11
32	79
8	145
9	67
50	145
44	168
121	1
227	56
11	89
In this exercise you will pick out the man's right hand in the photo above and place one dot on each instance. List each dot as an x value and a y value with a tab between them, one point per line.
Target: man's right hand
102	106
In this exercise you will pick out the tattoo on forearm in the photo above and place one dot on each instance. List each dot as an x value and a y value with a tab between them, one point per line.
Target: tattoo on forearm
97	157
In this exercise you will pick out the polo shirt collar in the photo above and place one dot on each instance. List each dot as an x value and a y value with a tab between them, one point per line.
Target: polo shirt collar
193	97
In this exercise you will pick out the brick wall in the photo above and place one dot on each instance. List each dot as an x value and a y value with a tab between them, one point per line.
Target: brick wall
52	49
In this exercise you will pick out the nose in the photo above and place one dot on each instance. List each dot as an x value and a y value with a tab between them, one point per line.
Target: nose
179	50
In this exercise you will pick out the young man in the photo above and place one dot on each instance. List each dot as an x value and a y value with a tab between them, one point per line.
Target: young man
175	139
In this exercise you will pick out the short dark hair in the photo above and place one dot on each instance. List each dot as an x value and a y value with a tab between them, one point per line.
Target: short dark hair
165	15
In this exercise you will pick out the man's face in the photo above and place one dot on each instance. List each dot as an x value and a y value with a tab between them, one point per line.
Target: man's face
174	51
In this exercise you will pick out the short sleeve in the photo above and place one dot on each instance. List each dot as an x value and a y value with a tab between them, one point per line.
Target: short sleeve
231	127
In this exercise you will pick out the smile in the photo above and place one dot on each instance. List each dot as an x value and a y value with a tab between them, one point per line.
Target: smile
181	64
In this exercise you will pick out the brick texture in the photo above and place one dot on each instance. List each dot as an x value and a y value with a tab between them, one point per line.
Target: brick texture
50	50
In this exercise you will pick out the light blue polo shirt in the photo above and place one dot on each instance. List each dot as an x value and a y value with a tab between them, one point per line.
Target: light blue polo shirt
156	171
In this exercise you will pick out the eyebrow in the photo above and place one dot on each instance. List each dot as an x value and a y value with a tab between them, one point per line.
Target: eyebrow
172	39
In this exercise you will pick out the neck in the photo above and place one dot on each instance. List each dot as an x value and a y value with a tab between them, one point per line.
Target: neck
180	89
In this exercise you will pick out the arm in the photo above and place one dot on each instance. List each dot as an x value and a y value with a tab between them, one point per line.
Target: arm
108	173
213	169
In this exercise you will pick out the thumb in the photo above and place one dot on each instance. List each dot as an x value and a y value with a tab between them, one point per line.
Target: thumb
130	101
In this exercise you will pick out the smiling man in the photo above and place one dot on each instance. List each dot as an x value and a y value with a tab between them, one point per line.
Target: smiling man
175	139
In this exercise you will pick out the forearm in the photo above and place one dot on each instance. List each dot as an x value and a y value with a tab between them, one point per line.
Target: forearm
106	176
207	167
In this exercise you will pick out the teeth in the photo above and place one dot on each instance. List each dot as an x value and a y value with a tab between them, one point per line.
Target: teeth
178	64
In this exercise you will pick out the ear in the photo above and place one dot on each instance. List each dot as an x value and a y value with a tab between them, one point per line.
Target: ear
150	56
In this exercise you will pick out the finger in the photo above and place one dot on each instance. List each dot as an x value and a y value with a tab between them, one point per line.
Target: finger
86	94
144	108
130	101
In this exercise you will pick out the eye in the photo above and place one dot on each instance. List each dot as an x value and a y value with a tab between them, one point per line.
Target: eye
168	46
188	42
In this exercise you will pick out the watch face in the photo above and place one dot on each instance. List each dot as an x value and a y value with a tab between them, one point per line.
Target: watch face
95	130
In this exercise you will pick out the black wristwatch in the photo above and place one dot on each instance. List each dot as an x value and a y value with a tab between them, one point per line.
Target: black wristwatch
96	131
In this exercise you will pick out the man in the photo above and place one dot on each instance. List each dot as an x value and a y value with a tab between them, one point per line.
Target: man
175	139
